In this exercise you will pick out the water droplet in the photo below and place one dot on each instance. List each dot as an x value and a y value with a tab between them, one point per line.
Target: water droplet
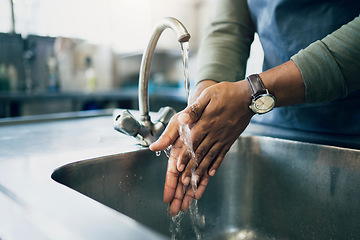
167	151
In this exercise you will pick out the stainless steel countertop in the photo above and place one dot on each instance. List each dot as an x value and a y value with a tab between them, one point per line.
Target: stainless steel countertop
33	206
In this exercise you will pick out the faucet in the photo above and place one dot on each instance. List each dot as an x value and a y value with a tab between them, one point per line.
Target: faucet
145	131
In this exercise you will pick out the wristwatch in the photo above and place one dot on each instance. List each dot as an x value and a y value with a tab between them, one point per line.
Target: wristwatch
262	101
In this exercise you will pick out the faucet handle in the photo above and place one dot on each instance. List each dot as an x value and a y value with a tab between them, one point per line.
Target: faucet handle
145	132
127	124
165	114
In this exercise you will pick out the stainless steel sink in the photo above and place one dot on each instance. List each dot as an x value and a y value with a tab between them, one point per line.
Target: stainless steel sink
266	188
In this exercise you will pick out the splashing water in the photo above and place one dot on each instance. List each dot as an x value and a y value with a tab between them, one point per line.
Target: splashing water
197	220
175	227
166	151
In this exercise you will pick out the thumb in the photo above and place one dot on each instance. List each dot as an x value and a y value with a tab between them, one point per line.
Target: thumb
189	115
193	112
167	138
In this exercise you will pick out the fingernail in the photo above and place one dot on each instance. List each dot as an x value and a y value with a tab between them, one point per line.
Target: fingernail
181	167
184	118
186	181
212	173
151	145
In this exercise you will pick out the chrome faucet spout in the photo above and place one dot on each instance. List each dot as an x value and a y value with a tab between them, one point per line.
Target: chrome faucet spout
146	131
182	36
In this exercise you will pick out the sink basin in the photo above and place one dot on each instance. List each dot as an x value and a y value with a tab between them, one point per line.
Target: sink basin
266	188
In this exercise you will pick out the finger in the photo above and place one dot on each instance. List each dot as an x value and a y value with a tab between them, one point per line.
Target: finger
193	112
178	151
188	152
202	186
168	137
219	160
175	204
208	159
194	192
183	158
187	175
175	207
193	164
171	178
189	196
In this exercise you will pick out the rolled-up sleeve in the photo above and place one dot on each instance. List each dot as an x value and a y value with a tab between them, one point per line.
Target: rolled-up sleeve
330	67
225	48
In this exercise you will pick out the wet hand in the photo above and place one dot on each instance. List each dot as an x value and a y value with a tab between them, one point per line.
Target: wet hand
216	119
176	193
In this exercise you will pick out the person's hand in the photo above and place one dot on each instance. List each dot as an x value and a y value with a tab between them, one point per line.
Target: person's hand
175	193
216	119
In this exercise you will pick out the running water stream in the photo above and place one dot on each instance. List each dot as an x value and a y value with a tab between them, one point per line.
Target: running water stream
185	60
197	220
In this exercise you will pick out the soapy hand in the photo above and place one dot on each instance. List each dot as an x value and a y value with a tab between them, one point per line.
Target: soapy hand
216	119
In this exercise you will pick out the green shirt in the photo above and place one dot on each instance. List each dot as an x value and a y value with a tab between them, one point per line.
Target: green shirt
329	66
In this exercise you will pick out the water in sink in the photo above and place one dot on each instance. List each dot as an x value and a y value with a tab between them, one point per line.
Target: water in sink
265	189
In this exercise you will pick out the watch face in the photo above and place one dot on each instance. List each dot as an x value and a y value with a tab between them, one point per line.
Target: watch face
263	104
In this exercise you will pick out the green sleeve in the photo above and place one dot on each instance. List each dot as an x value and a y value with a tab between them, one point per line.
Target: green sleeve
225	49
331	67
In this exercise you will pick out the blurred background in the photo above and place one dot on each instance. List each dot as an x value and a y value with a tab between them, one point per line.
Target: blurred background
74	55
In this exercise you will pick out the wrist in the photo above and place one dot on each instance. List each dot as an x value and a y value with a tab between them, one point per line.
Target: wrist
200	87
244	96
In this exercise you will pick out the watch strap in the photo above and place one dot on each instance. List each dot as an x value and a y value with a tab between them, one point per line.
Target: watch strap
256	85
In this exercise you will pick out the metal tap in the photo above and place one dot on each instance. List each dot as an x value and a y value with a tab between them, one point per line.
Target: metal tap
144	130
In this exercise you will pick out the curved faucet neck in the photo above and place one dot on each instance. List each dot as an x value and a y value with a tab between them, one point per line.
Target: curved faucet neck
161	25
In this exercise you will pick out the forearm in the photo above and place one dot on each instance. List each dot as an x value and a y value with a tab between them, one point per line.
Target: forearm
330	67
285	83
326	70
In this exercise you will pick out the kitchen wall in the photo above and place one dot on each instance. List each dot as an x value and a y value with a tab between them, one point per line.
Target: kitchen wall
125	25
86	47
67	33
